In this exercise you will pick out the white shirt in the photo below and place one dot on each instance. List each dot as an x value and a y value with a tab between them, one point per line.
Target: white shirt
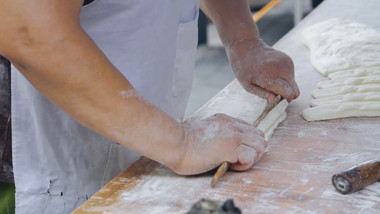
58	163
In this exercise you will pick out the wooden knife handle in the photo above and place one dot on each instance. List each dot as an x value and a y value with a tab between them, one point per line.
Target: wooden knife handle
357	177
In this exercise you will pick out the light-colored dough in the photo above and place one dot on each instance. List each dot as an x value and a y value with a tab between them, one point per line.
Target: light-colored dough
236	102
352	97
358	72
269	132
349	53
341	44
341	90
273	119
349	109
375	79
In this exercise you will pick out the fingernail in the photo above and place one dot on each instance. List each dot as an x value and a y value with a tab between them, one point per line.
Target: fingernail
270	97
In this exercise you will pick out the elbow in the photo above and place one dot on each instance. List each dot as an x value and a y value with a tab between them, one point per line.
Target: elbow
33	30
16	43
29	38
20	41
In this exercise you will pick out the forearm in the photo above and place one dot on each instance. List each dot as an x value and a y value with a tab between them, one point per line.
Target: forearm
65	65
232	18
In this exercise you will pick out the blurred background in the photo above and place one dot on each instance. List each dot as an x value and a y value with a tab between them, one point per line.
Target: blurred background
212	69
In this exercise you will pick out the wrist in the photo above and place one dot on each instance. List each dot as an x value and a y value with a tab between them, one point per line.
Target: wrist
230	41
252	42
233	20
177	153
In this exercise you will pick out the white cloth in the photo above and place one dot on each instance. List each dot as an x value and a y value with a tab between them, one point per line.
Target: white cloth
57	162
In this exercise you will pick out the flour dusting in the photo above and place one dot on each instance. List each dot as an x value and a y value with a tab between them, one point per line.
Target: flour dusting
300	134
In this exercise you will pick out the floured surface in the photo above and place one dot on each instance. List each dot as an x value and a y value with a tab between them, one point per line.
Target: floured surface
293	177
341	44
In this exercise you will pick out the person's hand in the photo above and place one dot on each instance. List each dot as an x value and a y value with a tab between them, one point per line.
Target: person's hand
261	69
209	142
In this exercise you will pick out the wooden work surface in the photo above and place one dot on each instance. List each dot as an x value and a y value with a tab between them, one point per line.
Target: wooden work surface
294	176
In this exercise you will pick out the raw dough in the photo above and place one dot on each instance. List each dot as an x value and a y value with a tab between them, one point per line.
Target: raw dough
352	97
269	132
349	53
358	72
233	101
341	90
375	79
273	119
341	44
349	109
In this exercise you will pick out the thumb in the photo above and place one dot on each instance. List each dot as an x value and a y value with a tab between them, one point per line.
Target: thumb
261	92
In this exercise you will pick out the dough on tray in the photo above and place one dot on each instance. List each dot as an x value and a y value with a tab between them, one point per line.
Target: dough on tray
349	109
340	44
351	97
375	79
346	89
358	72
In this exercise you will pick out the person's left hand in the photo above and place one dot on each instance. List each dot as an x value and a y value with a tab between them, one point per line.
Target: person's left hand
263	70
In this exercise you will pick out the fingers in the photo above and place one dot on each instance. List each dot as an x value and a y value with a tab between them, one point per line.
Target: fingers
227	119
257	142
223	138
259	91
271	97
247	157
248	129
251	147
278	86
250	136
287	89
284	88
273	76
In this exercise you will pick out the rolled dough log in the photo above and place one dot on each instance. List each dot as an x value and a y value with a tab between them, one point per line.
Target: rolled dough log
342	110
374	79
273	119
352	97
359	72
341	44
269	132
341	90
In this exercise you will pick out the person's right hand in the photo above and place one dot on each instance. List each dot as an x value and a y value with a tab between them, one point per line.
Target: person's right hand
209	142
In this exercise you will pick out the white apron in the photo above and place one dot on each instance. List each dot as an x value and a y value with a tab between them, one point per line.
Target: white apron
58	163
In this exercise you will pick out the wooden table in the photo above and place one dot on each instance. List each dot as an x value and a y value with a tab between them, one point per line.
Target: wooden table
294	176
